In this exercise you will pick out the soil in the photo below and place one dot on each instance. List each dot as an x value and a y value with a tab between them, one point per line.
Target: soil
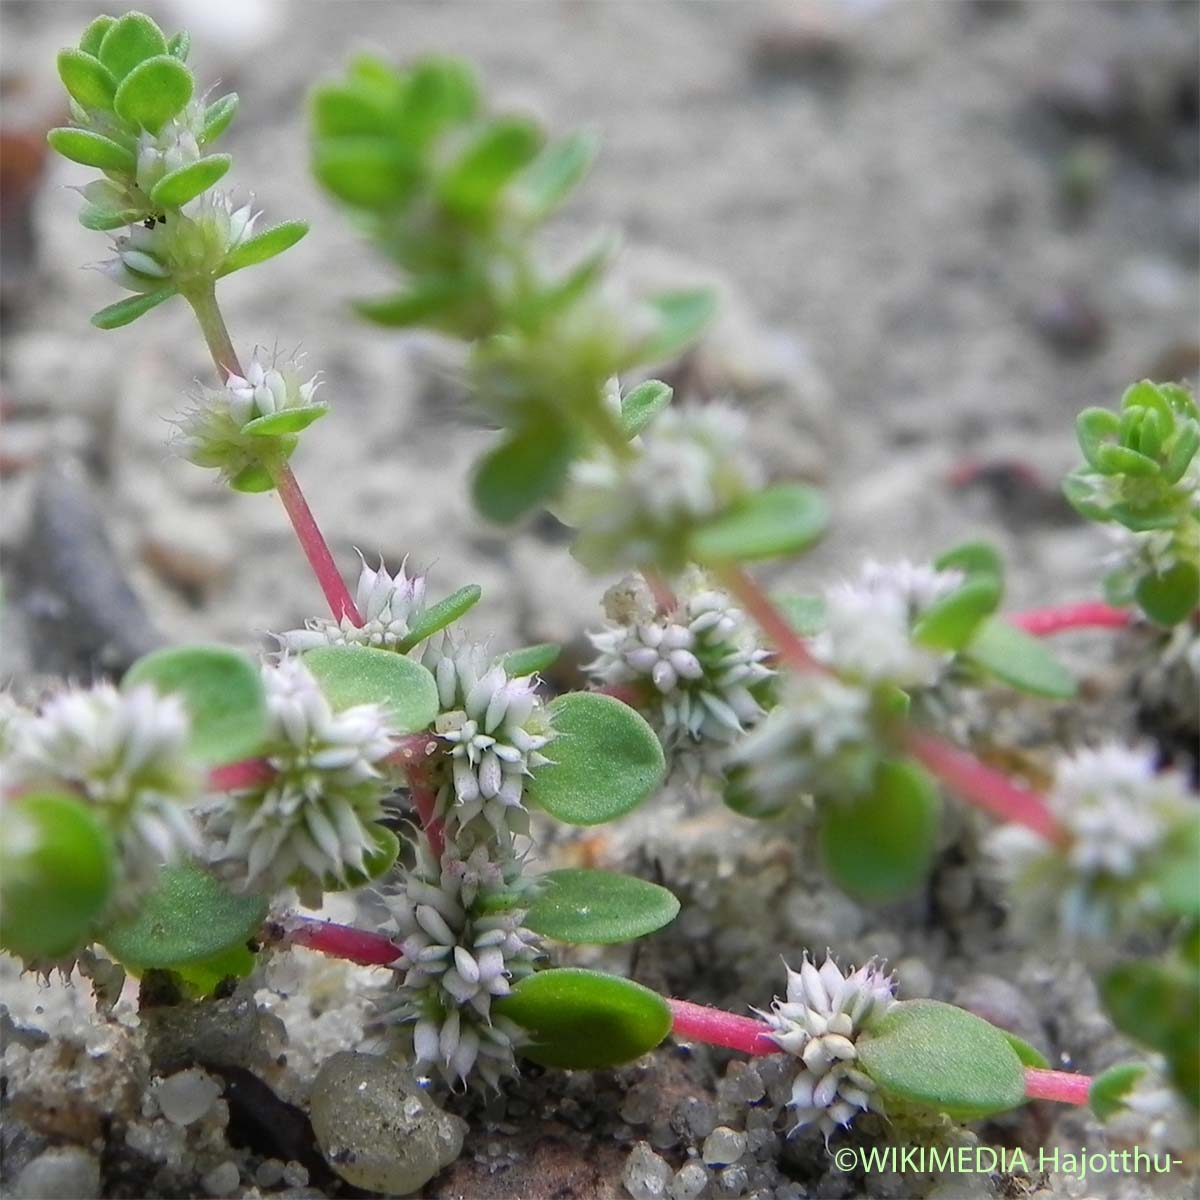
939	230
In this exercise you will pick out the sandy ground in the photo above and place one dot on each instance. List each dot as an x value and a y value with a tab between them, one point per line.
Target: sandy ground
878	188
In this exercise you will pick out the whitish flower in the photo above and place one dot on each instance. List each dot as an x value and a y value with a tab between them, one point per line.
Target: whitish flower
496	728
186	246
702	663
817	740
462	948
389	606
1118	814
314	817
212	433
12	716
126	753
819	1023
175	145
688	466
868	623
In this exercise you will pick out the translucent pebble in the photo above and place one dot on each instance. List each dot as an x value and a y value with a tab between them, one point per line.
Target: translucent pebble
295	1174
662	1134
646	1176
724	1146
639	1105
732	1182
690	1180
269	1173
743	1083
222	1181
377	1129
695	1116
66	1171
187	1096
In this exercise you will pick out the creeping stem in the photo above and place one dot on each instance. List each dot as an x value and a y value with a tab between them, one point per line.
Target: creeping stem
338	941
1056	1085
1062	618
788	643
699	1023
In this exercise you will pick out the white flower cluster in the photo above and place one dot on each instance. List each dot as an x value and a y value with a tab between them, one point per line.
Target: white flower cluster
126	753
175	145
1118	813
497	729
702	661
819	1022
688	466
388	604
314	817
212	433
817	740
459	954
868	622
192	243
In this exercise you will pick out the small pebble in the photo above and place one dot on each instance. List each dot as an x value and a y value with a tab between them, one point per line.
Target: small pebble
640	1103
732	1182
186	1097
67	1171
222	1180
269	1173
646	1176
724	1146
695	1116
743	1082
690	1180
295	1174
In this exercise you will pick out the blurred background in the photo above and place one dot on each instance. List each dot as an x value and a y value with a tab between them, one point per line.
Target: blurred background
939	230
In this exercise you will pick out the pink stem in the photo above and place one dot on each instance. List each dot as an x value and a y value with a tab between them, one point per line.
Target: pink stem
664	596
233	777
757	603
1090	614
425	800
340	941
313	543
699	1023
984	786
1056	1085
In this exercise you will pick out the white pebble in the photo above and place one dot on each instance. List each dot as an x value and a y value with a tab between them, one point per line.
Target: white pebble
187	1096
724	1146
646	1175
222	1180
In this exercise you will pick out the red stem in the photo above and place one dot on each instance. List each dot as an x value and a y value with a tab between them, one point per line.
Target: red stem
984	786
339	941
757	603
699	1023
1090	614
233	777
1056	1085
425	800
313	543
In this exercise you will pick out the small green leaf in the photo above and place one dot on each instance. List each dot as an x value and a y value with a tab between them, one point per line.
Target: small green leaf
180	45
643	404
681	318
606	760
472	184
88	80
805	614
599	907
201	979
129	41
949	623
93	35
530	660
263	246
92	150
1019	659
129	309
436	300
339	111
57	869
177	187
222	690
555	173
217	117
783	519
973	559
1121	460
437	94
351	675
1175	873
878	846
584	1020
942	1058
1171	597
1107	1094
367	172
189	917
527	468
1183	450
104	219
1030	1056
288	420
378	862
154	92
438	616
253	479
1155	1003
1095	428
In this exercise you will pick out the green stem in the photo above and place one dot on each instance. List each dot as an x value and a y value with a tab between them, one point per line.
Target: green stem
212	326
